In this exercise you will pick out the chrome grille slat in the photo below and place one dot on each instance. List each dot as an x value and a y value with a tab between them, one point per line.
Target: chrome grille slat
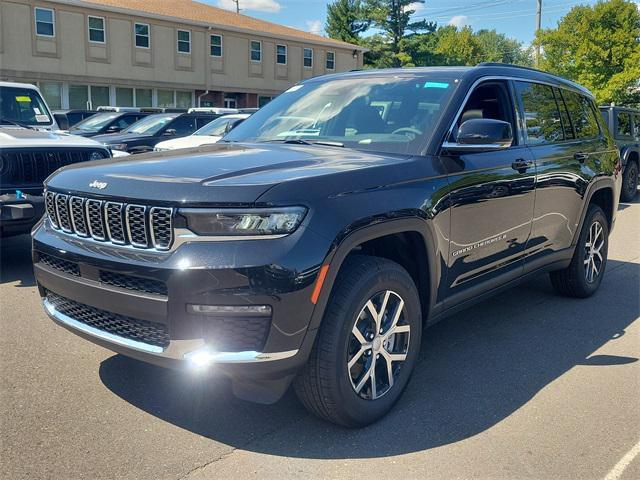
161	227
95	219
50	205
76	208
139	226
114	223
62	209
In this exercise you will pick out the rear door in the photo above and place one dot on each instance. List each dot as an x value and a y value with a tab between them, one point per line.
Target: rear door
563	133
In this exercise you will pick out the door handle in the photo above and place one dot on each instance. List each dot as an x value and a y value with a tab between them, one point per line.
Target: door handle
581	157
521	165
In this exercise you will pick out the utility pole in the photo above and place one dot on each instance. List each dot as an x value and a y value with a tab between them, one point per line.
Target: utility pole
237	2
538	26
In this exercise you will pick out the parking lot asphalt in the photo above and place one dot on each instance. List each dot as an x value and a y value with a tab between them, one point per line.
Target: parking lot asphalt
525	385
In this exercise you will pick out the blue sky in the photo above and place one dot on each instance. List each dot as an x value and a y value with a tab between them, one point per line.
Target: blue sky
515	18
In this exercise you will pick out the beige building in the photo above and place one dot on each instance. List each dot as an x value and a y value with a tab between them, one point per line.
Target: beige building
157	53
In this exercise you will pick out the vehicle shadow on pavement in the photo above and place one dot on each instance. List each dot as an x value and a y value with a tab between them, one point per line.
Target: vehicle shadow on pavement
476	368
15	261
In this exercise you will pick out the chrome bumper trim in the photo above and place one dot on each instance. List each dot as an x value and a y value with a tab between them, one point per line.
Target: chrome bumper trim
125	342
217	357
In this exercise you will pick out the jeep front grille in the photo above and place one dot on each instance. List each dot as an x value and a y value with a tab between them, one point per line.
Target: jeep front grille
119	223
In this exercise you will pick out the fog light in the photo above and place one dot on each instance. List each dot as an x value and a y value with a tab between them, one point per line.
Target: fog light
230	310
200	359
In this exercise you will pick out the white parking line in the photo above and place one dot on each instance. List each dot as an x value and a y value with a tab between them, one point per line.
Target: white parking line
616	472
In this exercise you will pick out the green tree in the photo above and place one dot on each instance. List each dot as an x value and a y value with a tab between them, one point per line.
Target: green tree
345	20
393	19
497	47
599	47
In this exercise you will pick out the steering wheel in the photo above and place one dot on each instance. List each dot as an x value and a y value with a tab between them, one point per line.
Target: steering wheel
406	130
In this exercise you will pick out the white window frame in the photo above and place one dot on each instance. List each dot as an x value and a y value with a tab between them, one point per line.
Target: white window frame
286	54
104	29
135	35
211	35
53	21
231	101
178	41
251	50
304	50
333	60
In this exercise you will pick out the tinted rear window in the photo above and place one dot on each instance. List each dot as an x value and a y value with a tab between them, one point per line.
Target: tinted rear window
623	124
541	113
582	114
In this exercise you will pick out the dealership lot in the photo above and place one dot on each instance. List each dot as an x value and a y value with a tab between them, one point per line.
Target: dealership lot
525	385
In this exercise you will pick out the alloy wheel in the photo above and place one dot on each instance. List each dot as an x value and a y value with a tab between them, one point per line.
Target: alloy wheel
378	345
593	259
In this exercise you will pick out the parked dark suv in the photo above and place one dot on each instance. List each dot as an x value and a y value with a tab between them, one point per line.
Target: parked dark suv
318	239
143	136
106	122
624	124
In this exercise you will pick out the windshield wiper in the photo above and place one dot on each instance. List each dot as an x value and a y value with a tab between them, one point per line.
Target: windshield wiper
300	141
17	124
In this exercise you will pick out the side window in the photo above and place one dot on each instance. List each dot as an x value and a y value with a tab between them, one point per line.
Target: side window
623	124
541	114
567	126
127	120
202	121
636	126
582	115
488	100
183	125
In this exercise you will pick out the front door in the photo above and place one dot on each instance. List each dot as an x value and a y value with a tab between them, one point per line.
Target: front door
491	199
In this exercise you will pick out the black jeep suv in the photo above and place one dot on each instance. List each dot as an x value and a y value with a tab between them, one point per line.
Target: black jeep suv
624	124
318	239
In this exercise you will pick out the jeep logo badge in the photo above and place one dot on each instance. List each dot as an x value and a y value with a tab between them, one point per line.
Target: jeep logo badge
98	185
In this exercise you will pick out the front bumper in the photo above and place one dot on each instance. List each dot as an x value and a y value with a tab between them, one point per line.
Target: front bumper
19	215
249	272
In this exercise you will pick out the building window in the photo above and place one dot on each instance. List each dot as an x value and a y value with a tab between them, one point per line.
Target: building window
184	41
142	35
96	30
99	96
52	93
308	58
281	54
165	98
256	51
144	97
124	97
230	102
331	61
216	45
78	96
184	99
45	22
263	100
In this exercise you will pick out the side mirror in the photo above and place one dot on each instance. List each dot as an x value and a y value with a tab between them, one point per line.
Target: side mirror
113	129
481	134
170	131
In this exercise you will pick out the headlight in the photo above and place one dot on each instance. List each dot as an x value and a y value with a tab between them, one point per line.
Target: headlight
240	222
119	146
97	155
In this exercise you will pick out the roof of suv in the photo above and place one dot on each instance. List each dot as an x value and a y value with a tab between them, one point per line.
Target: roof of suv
488	69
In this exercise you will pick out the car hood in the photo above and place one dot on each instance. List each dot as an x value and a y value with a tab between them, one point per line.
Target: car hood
216	174
186	142
112	138
17	137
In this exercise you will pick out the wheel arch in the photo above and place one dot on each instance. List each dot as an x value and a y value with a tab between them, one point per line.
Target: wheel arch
420	235
603	194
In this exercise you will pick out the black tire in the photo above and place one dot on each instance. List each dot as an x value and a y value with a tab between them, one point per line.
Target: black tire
629	182
574	281
325	385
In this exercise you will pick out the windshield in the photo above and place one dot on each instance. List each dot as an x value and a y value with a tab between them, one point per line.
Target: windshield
150	125
95	122
24	106
216	128
393	114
